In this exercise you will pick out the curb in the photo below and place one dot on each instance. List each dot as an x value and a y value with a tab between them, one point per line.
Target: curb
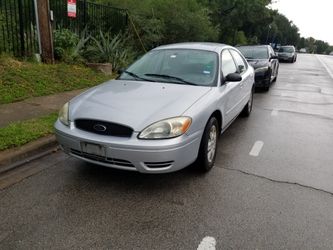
16	157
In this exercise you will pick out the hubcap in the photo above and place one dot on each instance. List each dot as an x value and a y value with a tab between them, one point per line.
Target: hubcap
211	144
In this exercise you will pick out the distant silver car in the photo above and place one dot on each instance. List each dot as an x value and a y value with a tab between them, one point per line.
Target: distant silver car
163	113
287	53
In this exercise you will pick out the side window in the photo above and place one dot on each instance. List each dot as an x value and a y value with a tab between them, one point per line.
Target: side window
228	64
239	61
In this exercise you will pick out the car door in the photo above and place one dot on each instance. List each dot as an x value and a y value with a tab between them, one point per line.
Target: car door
246	83
231	90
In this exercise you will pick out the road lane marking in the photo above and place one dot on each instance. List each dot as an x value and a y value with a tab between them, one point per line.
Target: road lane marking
275	112
207	243
325	66
255	151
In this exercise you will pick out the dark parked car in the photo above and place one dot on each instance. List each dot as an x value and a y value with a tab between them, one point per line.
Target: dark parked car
265	63
287	53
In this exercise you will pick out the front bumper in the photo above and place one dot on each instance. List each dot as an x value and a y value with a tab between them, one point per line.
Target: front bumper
262	78
145	156
286	57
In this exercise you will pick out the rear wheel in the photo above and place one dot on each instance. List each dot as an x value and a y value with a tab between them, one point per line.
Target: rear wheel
208	146
248	107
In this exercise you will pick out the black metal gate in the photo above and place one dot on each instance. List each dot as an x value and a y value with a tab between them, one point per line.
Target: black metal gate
94	17
18	34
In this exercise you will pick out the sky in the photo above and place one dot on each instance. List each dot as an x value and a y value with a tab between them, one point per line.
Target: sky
313	18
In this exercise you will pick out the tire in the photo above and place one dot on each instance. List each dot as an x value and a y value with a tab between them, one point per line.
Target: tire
248	107
208	146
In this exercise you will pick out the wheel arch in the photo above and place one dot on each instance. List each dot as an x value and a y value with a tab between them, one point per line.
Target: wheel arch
218	115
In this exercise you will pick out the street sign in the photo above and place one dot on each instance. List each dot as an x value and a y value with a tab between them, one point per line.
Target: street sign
71	8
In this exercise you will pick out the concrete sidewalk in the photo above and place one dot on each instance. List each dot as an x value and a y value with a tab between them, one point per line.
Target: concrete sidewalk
34	107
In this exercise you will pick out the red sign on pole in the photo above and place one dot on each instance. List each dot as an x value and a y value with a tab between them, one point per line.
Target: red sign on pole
71	8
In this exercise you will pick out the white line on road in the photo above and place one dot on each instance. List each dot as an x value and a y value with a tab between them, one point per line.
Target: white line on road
207	243
255	151
275	112
325	66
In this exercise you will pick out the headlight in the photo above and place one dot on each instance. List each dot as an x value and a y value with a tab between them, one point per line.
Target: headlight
165	129
63	114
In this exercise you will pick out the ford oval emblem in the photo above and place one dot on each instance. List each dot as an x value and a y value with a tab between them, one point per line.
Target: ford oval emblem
99	127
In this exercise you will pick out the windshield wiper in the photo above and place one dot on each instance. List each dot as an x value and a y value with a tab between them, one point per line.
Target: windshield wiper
136	76
172	77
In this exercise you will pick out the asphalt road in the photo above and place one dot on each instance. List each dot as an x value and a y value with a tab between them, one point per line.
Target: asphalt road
272	187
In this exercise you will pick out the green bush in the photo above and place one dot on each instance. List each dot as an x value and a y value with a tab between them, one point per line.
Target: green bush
64	41
69	47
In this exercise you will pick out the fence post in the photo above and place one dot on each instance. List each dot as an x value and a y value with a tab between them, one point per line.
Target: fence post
45	30
21	27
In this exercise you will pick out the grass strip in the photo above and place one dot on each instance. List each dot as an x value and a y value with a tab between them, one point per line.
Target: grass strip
19	133
22	80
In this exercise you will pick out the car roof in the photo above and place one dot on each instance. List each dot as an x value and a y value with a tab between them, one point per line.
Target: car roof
253	46
215	47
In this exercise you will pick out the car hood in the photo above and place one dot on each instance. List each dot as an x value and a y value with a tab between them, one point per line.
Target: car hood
134	103
258	63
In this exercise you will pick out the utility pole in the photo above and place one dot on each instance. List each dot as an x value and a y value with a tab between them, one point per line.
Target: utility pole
45	29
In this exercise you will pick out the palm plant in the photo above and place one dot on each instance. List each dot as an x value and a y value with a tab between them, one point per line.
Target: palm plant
108	49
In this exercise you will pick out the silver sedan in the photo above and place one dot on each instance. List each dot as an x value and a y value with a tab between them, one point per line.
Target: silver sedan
163	113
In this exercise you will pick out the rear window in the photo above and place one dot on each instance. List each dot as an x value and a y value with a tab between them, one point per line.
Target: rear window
287	49
254	52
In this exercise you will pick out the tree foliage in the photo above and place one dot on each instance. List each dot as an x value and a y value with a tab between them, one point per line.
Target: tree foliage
227	21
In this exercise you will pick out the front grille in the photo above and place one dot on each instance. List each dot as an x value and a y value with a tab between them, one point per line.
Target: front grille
103	128
113	161
163	164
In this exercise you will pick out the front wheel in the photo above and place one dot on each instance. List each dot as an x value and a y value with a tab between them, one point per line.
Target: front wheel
208	146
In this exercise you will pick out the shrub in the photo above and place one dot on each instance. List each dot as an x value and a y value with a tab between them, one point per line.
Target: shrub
109	49
64	40
69	47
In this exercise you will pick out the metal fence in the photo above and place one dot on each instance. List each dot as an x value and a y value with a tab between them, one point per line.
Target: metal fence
89	15
18	27
18	32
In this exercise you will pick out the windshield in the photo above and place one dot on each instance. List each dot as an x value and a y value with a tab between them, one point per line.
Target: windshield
181	66
254	52
287	49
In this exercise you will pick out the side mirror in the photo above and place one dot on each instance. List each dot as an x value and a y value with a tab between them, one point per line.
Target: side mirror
233	77
274	57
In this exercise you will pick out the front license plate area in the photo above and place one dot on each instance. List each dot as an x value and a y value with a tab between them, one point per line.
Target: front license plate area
93	149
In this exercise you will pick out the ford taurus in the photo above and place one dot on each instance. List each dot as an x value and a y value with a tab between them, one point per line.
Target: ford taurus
163	113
